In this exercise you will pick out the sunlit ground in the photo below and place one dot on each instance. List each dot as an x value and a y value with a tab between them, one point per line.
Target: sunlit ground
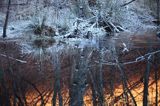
109	101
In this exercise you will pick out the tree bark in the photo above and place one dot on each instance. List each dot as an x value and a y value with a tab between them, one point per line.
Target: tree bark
4	96
57	84
77	88
156	86
125	86
158	13
6	20
78	81
146	81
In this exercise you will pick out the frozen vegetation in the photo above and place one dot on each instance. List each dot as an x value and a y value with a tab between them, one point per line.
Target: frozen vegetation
77	23
88	34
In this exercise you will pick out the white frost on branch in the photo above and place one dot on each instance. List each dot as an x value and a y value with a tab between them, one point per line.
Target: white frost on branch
73	31
138	59
125	49
12	58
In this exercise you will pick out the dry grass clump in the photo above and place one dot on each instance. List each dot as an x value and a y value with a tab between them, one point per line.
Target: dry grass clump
42	35
44	30
43	42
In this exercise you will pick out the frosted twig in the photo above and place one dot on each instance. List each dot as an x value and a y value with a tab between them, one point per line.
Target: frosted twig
149	57
138	59
125	49
114	27
121	28
21	61
127	3
141	58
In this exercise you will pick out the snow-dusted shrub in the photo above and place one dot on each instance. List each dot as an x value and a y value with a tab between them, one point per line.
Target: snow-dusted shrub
81	8
38	38
53	24
112	10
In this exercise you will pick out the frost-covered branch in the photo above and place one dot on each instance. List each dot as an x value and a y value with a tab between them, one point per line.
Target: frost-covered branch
138	59
21	61
127	3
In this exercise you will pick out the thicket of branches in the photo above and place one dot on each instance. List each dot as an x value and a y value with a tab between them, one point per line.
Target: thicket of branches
80	35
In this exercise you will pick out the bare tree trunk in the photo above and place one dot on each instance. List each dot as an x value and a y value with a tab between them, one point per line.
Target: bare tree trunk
23	90
125	86
122	73
146	81
93	87
57	91
6	20
111	84
78	84
111	80
79	80
100	81
57	85
13	80
156	67
156	81
158	13
97	86
4	96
